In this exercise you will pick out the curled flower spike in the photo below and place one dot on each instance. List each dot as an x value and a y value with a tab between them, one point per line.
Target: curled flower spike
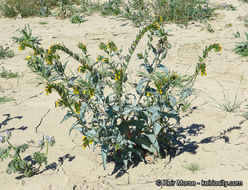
156	25
58	103
77	106
158	18
48	90
83	47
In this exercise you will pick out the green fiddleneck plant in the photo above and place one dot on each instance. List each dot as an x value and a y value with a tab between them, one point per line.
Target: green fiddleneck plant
126	119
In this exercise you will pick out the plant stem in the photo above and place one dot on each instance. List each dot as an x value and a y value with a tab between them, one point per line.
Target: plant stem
13	148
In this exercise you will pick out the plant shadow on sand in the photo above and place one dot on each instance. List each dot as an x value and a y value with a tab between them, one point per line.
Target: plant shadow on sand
186	146
52	166
8	118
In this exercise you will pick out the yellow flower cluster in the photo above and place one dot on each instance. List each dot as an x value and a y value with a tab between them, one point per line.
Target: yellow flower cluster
90	92
86	142
118	74
48	90
75	90
203	69
49	61
156	25
160	83
160	91
77	106
220	48
158	18
57	103
28	58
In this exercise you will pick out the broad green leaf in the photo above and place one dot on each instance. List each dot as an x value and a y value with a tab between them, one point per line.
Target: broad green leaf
91	133
163	68
55	78
140	85
68	115
104	152
73	126
156	128
71	81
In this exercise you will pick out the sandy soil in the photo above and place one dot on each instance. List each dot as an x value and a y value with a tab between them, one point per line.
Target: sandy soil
216	140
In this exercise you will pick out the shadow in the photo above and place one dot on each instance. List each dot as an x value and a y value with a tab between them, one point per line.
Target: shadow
23	128
7	119
222	135
190	111
192	130
65	157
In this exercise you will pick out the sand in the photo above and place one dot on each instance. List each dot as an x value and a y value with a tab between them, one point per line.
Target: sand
220	153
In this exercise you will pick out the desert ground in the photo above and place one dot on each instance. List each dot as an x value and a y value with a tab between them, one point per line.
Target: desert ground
217	141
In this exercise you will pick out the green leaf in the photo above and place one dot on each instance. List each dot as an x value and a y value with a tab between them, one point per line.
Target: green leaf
71	81
104	152
148	67
154	142
145	143
140	85
91	133
140	56
73	126
173	100
68	115
8	170
163	68
156	128
55	78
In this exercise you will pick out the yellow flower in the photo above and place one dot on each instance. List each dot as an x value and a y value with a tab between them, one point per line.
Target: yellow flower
175	75
75	91
159	17
79	69
156	24
84	138
49	51
48	62
20	48
220	48
48	90
57	103
148	94
28	57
